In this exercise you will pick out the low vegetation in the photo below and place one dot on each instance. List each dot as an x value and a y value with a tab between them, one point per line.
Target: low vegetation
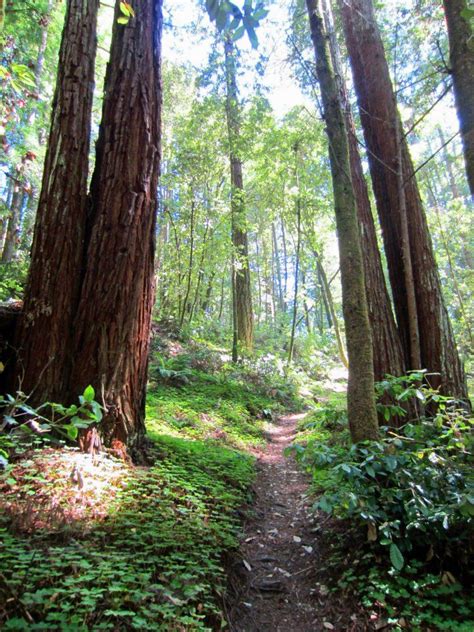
402	506
90	542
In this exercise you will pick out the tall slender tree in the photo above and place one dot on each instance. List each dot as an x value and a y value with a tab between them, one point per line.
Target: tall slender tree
360	394
404	228
241	289
461	57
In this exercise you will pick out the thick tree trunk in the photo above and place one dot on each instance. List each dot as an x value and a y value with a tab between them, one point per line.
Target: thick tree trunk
360	394
242	298
43	337
112	326
461	55
386	345
380	123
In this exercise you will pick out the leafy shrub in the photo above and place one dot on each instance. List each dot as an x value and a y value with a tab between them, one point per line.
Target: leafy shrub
406	505
412	490
12	279
23	425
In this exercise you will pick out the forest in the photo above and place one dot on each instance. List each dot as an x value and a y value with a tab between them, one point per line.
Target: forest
236	315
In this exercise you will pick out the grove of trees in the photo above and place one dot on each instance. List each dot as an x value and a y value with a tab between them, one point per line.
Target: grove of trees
249	202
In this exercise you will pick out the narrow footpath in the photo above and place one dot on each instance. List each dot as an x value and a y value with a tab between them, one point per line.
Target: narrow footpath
279	590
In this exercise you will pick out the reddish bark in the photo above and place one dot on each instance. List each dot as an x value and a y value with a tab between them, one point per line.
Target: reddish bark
43	336
386	345
379	116
112	326
461	55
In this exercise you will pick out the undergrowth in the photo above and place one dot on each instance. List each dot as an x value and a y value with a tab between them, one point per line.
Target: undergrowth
154	563
197	395
403	508
152	557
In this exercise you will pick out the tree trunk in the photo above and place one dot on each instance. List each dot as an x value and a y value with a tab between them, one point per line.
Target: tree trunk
276	253
305	304
360	394
242	298
10	246
386	345
297	268
190	263
44	332
380	123
112	326
6	205
330	311
285	263
461	55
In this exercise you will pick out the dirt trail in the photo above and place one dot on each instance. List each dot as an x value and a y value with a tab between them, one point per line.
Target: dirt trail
279	550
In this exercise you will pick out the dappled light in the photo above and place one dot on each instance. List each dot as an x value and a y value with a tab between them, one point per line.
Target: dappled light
236	315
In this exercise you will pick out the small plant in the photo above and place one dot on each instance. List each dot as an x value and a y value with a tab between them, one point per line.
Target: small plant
23	423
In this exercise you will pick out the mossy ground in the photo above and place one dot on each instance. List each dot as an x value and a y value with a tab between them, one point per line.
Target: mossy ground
152	557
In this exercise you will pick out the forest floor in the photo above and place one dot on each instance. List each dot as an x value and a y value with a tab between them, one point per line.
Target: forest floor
219	529
276	583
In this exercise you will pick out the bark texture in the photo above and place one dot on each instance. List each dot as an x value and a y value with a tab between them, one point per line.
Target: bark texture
360	395
44	332
242	296
380	122
112	325
386	345
461	56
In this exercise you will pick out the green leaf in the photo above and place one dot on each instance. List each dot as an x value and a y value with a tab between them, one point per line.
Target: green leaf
72	431
396	557
123	20
325	505
221	18
97	411
467	13
125	9
89	394
238	33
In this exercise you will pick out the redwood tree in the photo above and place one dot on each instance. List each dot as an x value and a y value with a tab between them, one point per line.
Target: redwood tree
396	189
386	345
461	57
113	320
90	293
44	334
241	292
360	394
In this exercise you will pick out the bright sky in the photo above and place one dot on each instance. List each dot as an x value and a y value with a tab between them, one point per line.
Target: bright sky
179	45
